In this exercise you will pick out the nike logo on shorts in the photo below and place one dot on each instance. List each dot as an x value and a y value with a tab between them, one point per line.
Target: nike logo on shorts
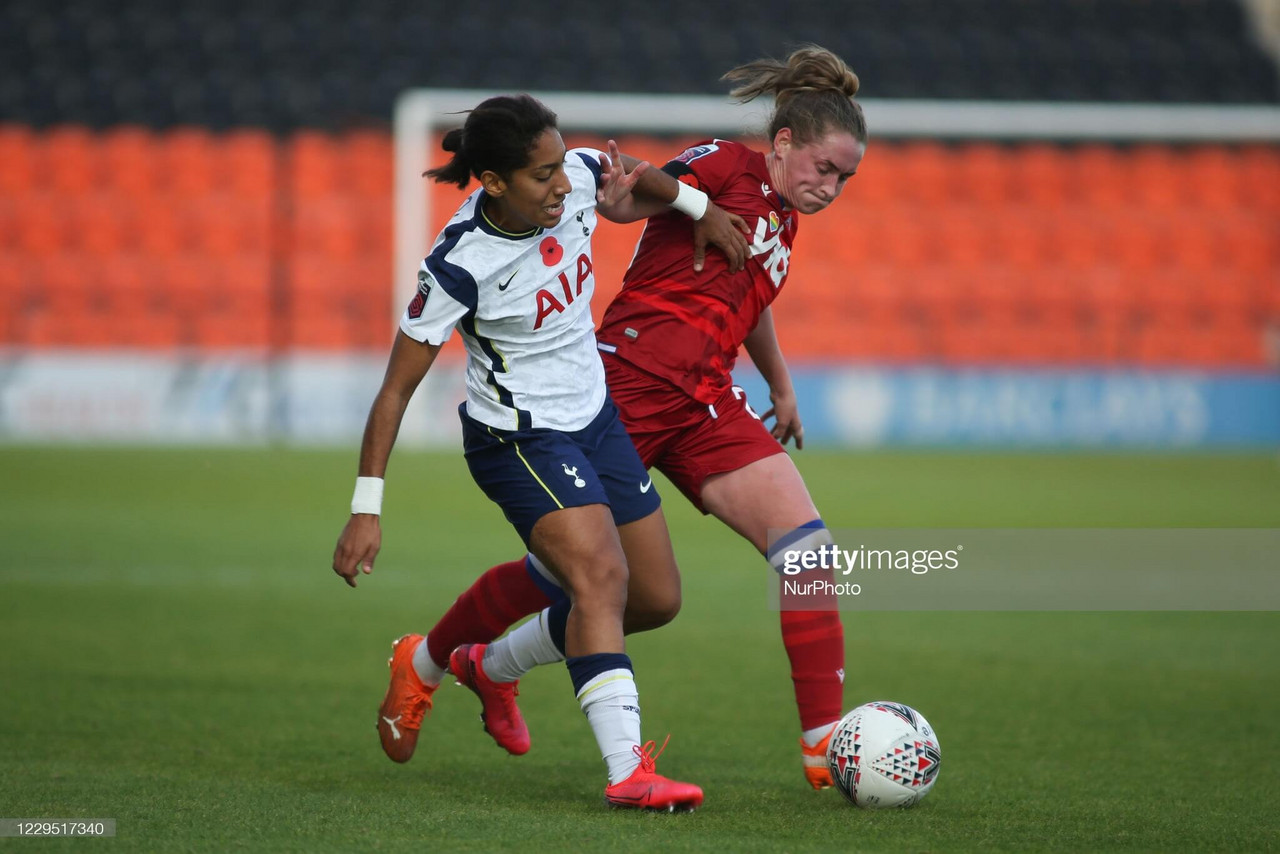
644	487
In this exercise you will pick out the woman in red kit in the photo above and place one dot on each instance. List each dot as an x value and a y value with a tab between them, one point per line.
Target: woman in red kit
669	342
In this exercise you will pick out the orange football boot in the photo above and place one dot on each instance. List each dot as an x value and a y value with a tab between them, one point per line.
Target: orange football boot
816	769
407	700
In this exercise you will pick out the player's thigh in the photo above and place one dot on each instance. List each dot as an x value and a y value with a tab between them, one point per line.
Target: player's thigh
768	493
620	471
653	584
530	473
582	548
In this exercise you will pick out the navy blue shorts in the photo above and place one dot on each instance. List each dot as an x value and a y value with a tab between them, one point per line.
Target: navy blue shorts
530	473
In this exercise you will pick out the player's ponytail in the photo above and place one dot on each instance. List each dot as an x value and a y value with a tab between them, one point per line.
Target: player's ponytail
497	137
813	93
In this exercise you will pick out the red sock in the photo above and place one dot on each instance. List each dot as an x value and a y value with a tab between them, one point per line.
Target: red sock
815	645
486	609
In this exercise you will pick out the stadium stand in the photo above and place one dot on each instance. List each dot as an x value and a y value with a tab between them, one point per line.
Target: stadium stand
176	175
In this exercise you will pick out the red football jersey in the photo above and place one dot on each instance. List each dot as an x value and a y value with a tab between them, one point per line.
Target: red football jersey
686	327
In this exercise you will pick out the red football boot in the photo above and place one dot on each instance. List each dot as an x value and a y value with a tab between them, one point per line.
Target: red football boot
501	715
646	789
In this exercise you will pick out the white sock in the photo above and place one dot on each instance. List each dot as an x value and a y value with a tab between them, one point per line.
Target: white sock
523	649
428	671
612	706
817	734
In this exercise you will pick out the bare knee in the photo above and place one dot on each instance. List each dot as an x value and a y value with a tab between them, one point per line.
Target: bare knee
598	584
652	612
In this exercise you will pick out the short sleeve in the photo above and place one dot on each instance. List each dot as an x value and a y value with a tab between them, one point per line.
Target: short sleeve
709	166
434	310
587	157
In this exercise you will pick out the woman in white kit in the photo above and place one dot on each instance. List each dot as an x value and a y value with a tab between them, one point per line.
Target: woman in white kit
512	271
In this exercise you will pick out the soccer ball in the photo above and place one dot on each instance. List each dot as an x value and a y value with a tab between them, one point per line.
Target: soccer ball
884	755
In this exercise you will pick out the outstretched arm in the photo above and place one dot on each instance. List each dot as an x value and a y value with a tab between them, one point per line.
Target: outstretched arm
362	537
632	190
762	347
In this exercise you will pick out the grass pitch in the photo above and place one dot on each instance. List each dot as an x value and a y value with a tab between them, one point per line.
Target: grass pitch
179	656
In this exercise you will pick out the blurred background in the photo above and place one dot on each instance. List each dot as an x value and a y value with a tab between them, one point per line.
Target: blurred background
197	212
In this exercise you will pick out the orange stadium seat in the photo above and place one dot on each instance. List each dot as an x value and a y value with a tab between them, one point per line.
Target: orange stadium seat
186	160
127	280
247	161
1192	242
15	293
11	211
326	227
167	223
982	174
904	236
1099	177
878	178
937	292
153	328
1055	295
925	170
70	160
1041	174
368	161
966	236
1001	295
227	226
235	313
18	160
45	225
1250	243
1138	240
130	160
1051	340
1211	179
334	305
1260	170
1229	297
1159	176
1108	295
1020	236
1267	299
1169	296
876	293
103	223
1080	238
958	339
314	160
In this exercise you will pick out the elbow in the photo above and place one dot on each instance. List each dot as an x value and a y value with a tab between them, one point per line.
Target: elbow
618	215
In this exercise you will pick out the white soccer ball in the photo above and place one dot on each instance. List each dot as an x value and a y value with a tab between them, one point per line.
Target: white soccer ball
884	755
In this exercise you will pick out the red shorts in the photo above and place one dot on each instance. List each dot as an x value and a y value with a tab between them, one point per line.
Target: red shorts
683	438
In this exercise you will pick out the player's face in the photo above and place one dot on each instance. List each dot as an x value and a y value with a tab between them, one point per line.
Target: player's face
812	175
532	196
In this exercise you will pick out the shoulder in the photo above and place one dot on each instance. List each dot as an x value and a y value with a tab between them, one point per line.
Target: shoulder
716	150
583	165
459	257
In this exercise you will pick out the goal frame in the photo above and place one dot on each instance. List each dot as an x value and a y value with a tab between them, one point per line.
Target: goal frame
419	113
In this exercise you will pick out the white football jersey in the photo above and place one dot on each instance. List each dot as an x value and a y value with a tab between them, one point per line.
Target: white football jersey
523	306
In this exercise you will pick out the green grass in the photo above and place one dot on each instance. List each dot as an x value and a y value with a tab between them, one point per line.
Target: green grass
179	656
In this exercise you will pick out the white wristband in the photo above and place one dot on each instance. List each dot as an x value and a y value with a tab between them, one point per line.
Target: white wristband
690	201
368	496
